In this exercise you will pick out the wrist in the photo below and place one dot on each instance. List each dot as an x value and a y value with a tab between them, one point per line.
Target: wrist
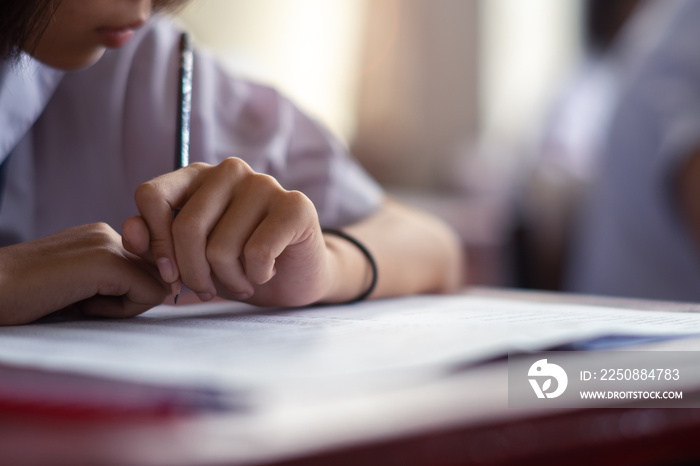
354	271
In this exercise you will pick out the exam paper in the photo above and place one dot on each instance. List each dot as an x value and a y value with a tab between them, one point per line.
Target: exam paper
238	349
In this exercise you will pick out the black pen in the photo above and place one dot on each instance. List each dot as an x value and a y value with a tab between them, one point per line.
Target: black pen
182	133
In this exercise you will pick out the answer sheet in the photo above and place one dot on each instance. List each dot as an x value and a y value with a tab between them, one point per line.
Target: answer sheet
238	349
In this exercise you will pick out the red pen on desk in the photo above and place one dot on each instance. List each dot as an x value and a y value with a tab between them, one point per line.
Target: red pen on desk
182	133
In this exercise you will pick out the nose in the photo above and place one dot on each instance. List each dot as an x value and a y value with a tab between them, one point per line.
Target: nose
144	7
147	7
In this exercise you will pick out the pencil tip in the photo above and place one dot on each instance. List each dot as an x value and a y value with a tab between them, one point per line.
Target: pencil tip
176	287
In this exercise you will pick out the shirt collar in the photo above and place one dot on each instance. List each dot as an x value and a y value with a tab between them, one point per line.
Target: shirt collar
25	89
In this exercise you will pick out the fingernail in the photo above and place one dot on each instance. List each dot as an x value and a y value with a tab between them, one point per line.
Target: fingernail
166	269
241	296
204	296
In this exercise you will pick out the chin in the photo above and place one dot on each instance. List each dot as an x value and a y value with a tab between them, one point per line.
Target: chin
73	62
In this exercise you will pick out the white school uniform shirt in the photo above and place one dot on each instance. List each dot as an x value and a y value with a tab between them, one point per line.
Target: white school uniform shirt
78	144
632	238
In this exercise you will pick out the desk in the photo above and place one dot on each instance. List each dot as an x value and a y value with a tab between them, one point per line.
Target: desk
462	419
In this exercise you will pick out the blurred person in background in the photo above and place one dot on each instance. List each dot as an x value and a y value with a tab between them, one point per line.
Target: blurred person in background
570	144
638	232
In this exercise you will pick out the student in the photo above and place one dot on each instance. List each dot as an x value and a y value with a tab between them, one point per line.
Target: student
85	130
639	231
569	145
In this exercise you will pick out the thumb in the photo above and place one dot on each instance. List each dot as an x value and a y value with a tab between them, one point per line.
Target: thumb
136	239
156	201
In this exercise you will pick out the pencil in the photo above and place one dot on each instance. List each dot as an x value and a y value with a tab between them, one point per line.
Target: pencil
184	99
182	132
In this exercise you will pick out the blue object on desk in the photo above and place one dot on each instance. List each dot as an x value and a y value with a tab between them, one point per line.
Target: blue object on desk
607	342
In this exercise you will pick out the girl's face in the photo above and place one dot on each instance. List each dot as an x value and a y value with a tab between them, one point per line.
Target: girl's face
81	30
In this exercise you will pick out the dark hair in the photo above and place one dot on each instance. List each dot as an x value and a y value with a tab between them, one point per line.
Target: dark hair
604	19
22	22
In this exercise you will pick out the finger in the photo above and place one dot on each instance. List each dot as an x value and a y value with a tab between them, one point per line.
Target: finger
224	250
133	289
136	238
196	221
156	201
113	307
291	221
102	306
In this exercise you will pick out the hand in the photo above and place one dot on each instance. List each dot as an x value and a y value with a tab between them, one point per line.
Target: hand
84	266
238	234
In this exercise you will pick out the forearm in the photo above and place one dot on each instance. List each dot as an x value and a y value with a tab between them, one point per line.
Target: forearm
414	251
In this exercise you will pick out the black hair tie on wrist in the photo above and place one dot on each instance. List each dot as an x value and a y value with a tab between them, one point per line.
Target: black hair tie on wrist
370	258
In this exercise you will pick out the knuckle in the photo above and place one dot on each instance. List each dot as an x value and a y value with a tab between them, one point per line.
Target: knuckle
226	267
258	254
269	183
198	166
298	206
218	255
148	193
199	169
234	167
298	199
102	229
101	234
263	185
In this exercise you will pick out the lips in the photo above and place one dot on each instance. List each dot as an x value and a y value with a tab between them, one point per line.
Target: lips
115	37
